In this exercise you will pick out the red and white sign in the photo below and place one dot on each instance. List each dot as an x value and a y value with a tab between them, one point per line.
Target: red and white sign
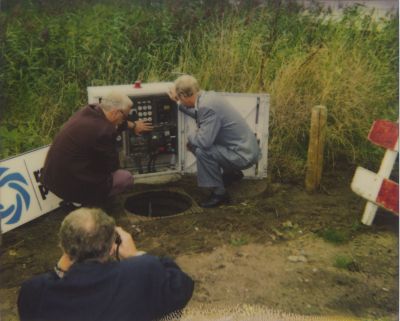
377	188
385	133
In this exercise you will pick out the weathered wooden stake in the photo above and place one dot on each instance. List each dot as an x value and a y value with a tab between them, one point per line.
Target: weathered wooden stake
316	148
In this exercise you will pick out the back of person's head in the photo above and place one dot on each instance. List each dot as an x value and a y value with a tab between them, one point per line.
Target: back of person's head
87	233
186	86
115	100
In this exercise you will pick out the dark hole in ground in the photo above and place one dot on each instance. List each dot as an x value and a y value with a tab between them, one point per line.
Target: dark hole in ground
157	203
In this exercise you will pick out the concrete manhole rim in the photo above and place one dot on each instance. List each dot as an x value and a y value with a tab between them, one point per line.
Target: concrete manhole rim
194	208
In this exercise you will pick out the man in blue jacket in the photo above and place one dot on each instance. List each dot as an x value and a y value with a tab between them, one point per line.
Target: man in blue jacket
89	284
223	143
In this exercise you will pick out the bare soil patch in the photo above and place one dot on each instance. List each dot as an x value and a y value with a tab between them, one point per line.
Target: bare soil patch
275	246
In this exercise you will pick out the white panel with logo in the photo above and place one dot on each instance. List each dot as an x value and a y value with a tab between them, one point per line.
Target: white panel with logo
22	196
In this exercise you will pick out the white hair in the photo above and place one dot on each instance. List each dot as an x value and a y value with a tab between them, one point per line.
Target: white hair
115	100
186	86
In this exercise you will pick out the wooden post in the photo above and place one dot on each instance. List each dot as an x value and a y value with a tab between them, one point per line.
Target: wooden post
316	148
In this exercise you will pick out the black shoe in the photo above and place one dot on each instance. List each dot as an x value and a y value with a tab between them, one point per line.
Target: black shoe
216	200
232	176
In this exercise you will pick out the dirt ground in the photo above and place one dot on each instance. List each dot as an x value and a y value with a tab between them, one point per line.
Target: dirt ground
275	246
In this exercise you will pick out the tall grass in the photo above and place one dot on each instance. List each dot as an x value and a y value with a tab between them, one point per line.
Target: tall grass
350	65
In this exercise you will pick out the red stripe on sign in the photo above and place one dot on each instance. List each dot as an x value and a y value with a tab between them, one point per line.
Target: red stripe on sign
384	133
388	196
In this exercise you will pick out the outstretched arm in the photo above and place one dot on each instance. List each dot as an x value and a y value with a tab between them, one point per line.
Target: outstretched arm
169	287
172	288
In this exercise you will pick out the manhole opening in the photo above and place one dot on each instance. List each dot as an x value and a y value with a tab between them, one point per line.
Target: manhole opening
157	203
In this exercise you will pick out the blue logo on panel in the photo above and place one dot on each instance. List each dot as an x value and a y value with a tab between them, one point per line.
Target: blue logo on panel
22	200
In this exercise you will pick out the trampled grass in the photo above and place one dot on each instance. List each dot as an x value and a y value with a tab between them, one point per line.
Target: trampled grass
348	64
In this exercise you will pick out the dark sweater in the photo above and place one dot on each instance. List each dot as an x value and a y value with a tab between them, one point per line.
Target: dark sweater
137	289
82	157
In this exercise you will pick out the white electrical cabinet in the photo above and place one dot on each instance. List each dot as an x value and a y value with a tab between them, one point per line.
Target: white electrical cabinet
163	151
157	153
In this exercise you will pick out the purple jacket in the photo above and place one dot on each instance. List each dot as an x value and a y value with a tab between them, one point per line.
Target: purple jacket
82	157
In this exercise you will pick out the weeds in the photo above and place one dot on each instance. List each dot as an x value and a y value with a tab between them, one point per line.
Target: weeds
334	236
239	241
350	65
346	262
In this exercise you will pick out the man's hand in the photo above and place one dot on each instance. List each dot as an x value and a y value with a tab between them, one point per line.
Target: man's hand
140	126
127	247
64	263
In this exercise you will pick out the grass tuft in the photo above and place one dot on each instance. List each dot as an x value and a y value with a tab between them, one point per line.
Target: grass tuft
334	236
347	263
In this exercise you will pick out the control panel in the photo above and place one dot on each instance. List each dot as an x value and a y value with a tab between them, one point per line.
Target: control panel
163	151
156	150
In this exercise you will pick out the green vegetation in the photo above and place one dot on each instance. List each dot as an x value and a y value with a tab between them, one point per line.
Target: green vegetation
239	241
334	236
51	53
346	262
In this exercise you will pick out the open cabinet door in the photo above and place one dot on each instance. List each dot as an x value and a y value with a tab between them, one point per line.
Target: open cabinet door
255	110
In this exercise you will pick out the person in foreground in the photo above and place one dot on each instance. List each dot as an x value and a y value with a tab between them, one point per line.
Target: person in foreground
223	144
82	164
89	284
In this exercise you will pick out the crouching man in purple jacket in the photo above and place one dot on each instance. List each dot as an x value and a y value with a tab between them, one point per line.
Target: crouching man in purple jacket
89	284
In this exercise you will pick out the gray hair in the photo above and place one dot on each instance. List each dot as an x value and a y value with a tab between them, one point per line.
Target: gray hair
115	100
186	86
87	233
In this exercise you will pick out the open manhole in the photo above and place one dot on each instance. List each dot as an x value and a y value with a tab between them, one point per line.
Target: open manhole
158	204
